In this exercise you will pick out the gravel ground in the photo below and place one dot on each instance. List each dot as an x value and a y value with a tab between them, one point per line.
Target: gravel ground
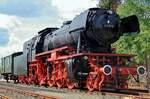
13	95
62	93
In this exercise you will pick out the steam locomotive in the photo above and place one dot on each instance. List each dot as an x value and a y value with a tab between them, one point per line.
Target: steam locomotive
79	54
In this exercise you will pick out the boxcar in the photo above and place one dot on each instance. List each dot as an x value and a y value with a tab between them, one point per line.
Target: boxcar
7	66
20	65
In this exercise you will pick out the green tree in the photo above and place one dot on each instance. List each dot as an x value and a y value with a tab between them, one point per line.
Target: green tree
111	4
133	44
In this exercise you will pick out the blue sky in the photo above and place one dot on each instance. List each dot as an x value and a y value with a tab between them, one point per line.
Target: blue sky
22	19
27	8
4	36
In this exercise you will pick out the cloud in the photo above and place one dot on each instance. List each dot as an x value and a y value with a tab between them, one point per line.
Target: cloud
7	23
30	27
26	8
70	9
4	37
6	20
22	19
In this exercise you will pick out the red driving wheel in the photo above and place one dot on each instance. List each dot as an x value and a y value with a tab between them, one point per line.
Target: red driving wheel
60	83
90	82
70	84
51	83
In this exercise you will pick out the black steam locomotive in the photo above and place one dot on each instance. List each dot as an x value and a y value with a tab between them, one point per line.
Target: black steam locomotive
75	50
93	30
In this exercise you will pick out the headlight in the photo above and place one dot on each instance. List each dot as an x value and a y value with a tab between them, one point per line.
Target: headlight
141	70
107	70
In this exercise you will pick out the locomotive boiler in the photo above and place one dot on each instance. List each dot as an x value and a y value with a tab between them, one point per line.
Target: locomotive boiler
93	30
79	53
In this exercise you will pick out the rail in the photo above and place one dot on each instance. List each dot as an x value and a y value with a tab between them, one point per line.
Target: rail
30	91
25	92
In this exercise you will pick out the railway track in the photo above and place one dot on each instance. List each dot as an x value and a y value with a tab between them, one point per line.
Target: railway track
35	92
31	94
127	91
26	93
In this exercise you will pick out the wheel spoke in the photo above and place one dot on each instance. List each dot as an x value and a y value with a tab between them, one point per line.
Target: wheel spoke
51	83
90	82
71	84
60	83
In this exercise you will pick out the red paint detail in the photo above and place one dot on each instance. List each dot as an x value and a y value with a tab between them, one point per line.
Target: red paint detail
37	73
71	84
96	80
23	79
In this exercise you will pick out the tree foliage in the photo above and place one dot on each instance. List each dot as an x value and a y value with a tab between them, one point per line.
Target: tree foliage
136	44
111	4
